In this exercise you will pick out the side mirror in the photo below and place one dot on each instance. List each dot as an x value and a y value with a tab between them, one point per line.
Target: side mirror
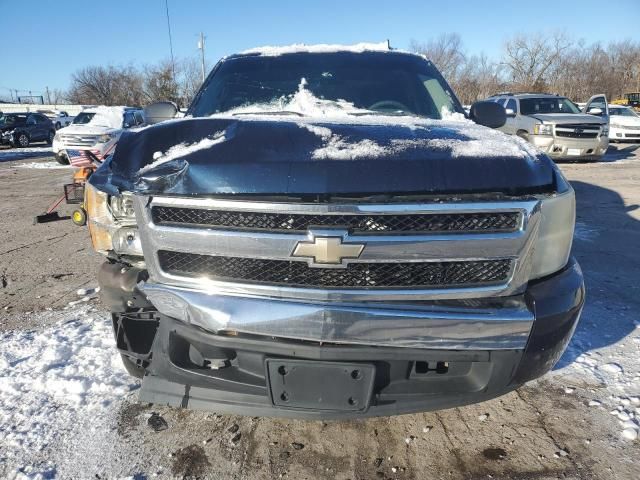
510	112
595	111
488	114
159	112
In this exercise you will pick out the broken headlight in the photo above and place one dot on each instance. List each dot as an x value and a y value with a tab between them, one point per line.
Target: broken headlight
555	235
112	223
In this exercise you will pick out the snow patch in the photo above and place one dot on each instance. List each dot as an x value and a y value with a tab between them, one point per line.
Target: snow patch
42	165
54	379
274	51
111	117
184	149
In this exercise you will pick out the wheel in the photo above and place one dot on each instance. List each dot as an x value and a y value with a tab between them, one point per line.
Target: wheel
79	217
58	126
133	369
52	134
22	140
524	135
62	159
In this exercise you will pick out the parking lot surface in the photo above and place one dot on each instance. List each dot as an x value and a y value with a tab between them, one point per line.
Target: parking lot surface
68	409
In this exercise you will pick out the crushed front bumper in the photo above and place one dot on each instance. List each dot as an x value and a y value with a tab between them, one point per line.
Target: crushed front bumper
428	356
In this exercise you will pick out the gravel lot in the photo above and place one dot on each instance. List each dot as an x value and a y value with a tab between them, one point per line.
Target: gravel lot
569	424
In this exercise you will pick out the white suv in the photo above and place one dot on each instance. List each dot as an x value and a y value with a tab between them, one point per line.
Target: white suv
94	133
556	125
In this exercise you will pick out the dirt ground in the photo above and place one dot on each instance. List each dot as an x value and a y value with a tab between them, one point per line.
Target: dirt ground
545	430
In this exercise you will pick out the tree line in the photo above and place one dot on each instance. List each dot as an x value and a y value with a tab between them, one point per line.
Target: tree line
552	62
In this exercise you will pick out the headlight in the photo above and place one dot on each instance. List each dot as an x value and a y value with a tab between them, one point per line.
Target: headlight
616	125
605	130
122	206
107	137
112	223
542	129
555	235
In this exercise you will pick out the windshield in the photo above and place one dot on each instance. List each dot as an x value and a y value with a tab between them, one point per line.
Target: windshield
623	112
531	106
12	119
83	117
384	83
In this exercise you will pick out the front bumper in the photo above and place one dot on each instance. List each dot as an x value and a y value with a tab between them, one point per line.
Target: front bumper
440	355
568	148
621	133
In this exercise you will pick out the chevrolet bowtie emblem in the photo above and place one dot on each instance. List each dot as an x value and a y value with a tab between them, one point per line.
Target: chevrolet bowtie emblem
327	251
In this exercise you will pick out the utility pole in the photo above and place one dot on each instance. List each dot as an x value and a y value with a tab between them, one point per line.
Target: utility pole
201	48
48	96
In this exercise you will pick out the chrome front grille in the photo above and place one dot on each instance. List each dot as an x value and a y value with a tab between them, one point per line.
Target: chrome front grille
356	275
359	224
410	251
78	139
587	130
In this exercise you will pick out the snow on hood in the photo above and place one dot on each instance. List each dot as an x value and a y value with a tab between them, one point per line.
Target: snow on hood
272	51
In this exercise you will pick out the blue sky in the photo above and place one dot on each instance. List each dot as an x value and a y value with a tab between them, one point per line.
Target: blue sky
45	41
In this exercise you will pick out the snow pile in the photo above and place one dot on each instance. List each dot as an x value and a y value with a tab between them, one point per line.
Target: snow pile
53	380
184	149
110	117
302	102
272	51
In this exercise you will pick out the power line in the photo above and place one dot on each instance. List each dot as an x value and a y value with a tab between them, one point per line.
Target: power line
173	65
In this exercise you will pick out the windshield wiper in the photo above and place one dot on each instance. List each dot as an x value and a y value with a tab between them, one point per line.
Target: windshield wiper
279	112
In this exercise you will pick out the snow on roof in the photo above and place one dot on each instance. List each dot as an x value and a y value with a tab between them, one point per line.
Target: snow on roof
271	51
106	116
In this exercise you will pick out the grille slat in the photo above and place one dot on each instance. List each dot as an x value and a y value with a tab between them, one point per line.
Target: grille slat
356	275
486	222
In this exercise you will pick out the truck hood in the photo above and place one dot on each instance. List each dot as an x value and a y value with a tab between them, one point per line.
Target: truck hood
289	156
87	129
564	118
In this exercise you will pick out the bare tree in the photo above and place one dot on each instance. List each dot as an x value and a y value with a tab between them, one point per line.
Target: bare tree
444	51
529	58
107	86
160	84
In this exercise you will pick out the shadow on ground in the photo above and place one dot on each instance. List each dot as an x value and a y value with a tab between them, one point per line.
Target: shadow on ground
606	245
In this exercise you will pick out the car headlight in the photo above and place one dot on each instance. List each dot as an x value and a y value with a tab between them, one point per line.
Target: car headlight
555	234
542	129
107	137
605	130
616	125
111	223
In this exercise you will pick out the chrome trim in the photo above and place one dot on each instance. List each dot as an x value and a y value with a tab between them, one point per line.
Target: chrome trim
410	326
517	246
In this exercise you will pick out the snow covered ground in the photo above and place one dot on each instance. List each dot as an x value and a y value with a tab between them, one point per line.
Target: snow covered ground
54	382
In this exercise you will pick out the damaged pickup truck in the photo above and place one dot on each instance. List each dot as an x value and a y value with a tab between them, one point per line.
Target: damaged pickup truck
326	235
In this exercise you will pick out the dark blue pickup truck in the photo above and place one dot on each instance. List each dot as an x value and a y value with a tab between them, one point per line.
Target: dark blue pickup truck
326	234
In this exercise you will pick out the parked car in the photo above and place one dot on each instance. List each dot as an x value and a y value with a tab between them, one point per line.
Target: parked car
58	117
624	123
326	235
22	129
94	132
556	125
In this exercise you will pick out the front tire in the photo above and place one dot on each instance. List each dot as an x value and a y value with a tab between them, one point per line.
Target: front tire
58	126
52	133
22	140
524	135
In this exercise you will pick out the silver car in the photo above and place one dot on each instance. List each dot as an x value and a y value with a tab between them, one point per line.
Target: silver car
556	125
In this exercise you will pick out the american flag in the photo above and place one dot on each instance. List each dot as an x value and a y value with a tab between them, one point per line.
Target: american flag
85	158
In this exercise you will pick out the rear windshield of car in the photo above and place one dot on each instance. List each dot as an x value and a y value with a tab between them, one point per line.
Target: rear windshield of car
83	117
381	82
531	106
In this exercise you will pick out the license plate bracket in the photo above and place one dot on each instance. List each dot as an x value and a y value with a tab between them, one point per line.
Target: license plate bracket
313	385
